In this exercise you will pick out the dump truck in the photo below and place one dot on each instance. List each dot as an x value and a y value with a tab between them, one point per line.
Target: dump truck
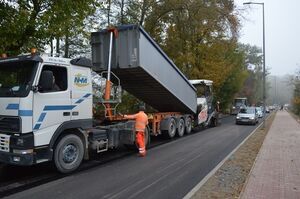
237	104
47	103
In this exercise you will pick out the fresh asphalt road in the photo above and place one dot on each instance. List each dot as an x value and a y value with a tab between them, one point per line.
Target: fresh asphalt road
168	171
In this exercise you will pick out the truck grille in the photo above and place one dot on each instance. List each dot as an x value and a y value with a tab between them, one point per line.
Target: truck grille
9	124
4	143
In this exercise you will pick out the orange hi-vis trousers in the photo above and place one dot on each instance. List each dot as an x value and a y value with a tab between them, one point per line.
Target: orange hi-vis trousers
140	140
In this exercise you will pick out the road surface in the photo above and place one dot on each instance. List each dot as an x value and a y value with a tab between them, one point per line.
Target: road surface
169	170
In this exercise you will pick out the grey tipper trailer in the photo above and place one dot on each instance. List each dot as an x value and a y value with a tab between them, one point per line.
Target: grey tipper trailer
144	69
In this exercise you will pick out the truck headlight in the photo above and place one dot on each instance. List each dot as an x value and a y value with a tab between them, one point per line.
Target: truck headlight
237	117
251	118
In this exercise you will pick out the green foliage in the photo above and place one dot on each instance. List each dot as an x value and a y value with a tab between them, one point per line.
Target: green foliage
129	103
26	24
296	95
234	82
253	86
17	25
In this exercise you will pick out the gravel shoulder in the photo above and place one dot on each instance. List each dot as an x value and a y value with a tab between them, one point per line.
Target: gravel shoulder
229	180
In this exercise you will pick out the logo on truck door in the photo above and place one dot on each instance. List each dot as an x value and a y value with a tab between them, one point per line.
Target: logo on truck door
81	80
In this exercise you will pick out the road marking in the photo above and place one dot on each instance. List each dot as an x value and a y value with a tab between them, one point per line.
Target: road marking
212	172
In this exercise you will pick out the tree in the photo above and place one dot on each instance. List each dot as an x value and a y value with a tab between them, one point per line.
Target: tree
19	29
201	38
296	95
253	86
26	24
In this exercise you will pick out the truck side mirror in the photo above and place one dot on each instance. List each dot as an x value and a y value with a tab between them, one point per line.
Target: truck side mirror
46	81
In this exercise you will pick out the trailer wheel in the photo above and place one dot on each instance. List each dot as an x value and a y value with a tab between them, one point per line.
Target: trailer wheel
170	133
68	153
188	126
180	129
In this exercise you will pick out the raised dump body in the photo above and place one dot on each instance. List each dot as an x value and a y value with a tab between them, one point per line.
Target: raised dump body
144	69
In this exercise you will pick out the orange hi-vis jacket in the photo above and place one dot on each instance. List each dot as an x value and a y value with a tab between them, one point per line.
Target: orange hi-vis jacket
141	120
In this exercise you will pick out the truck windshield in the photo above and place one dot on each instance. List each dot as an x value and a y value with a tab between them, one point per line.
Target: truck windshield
240	102
202	90
16	78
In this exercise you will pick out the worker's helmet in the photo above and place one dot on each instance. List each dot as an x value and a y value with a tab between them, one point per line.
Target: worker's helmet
141	107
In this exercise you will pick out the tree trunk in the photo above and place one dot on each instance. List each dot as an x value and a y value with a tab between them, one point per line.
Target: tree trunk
108	12
143	12
122	12
51	46
67	46
57	46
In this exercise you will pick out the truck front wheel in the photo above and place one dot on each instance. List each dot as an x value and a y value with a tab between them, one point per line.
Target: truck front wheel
68	153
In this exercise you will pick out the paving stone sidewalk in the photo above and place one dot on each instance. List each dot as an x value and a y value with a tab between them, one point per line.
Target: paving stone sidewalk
276	172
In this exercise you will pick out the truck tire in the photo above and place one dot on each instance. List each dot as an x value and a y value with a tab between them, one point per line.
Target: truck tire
180	128
68	153
188	125
171	131
214	122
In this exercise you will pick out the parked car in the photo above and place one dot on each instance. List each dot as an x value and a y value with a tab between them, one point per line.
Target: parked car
247	115
259	112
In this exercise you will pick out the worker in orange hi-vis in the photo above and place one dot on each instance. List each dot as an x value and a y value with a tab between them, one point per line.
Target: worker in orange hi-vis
141	120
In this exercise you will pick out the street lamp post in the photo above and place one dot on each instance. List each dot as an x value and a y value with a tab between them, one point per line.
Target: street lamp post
264	59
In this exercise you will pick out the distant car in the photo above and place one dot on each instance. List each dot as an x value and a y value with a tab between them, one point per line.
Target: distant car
247	115
259	112
267	110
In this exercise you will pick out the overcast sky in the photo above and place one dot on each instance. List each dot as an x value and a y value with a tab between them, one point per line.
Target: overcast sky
282	32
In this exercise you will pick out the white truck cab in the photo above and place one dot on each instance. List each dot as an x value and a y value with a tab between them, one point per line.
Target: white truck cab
41	97
207	114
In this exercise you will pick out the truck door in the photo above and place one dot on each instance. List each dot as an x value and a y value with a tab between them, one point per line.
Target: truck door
81	92
52	107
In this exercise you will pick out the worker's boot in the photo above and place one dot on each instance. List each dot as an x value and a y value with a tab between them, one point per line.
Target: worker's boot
142	154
